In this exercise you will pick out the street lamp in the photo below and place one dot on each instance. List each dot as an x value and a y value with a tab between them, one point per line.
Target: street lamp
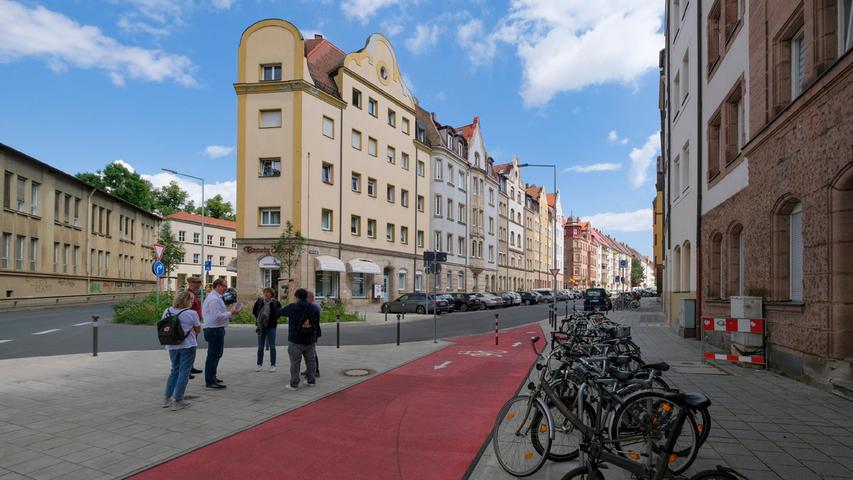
555	270
203	238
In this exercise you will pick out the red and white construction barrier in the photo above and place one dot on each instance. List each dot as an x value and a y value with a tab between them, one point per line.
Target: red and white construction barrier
736	325
735	358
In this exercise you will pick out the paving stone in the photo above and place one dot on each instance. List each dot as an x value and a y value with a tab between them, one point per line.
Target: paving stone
829	468
61	469
745	461
775	458
34	464
788	472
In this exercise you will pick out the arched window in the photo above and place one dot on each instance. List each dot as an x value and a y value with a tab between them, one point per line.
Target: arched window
841	264
477	159
787	251
675	271
735	261
715	265
685	267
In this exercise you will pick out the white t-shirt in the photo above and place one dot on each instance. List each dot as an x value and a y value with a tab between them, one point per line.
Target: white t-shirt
189	319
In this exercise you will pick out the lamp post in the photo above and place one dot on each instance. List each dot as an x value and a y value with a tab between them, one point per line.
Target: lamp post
203	238
554	240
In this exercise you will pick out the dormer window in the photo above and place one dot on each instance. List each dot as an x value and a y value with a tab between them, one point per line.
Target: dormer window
271	72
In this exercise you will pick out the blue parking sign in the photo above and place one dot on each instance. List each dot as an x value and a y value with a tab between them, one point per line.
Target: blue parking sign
207	265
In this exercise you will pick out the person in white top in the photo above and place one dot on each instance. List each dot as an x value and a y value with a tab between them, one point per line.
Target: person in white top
216	317
183	354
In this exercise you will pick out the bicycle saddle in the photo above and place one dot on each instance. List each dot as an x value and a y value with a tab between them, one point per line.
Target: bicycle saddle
660	366
689	400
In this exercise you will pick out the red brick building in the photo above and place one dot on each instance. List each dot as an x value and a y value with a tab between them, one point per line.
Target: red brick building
579	257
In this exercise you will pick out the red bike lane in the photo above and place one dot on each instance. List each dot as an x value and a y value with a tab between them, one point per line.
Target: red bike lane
427	419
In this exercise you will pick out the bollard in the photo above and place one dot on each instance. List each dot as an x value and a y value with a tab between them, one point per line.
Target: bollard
567	309
94	335
398	329
386	314
496	329
338	329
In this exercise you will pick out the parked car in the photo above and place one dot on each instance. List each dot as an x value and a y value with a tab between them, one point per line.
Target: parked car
516	298
596	299
547	294
506	297
416	302
466	301
490	301
539	297
562	295
451	304
528	298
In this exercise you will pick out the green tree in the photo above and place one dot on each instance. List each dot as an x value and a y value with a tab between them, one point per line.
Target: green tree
217	207
637	274
173	254
170	199
190	207
288	249
121	182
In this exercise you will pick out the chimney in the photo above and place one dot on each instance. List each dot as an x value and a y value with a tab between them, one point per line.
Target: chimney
317	36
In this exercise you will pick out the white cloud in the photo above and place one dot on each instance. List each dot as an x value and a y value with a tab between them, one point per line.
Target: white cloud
614	138
130	26
567	45
228	190
424	38
126	165
392	27
222	4
217	151
362	10
61	42
641	159
595	167
636	221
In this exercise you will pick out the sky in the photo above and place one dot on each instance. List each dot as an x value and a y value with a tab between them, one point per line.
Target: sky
149	83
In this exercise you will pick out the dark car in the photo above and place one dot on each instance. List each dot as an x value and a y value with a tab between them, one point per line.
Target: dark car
596	299
451	305
415	303
466	301
529	298
505	297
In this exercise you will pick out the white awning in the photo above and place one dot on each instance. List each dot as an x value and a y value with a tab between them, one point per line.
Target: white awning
269	262
402	270
328	263
360	265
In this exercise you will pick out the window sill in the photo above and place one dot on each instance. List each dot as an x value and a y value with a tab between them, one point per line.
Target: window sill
265	225
785	306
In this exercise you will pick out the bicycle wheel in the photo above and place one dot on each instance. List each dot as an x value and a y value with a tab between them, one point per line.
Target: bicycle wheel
703	424
567	439
583	473
721	473
646	419
521	418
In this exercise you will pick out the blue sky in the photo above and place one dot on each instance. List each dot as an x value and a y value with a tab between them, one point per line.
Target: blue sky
149	82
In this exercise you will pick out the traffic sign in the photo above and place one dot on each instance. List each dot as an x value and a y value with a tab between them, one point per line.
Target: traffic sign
623	263
159	248
430	257
555	271
207	265
158	268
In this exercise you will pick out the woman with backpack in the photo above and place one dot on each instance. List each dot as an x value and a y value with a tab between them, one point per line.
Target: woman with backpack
266	316
181	354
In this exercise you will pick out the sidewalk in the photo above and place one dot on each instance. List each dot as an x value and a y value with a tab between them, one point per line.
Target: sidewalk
764	425
87	418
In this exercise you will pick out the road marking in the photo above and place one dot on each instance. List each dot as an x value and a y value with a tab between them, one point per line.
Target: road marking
442	365
47	331
516	344
482	353
5	341
81	324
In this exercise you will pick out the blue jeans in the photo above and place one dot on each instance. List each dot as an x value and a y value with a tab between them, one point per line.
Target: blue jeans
266	334
182	362
215	338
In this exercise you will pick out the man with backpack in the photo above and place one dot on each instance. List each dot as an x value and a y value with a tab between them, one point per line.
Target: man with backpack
177	330
302	322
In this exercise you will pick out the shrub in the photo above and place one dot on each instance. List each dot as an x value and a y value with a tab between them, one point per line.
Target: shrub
141	312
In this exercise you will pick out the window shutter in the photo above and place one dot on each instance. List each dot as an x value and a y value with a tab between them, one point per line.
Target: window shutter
796	254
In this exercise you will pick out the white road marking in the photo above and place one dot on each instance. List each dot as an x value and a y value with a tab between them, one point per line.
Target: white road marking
47	331
5	341
482	353
81	324
516	344
442	365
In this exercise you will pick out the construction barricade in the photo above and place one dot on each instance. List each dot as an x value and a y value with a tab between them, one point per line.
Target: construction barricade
731	326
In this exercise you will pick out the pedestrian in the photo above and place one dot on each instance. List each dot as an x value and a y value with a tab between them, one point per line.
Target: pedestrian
194	287
183	354
316	309
266	316
216	318
301	337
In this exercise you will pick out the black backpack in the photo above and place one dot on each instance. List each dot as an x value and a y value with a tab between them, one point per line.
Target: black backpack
170	331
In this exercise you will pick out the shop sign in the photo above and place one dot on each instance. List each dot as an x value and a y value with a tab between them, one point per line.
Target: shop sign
257	250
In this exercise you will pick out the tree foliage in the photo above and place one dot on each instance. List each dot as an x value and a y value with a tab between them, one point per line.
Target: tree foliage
121	182
174	252
638	276
170	199
288	249
217	207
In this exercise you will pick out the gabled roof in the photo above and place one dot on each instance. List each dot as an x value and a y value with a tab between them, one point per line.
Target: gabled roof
195	218
503	169
468	130
533	191
552	199
324	58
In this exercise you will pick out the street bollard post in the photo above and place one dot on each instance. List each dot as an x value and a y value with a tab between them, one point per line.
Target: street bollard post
338	329
94	335
567	309
386	314
398	329
496	329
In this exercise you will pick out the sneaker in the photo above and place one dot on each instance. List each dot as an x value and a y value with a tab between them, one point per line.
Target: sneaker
272	368
167	401
218	380
291	387
192	377
180	404
195	370
258	368
317	374
312	384
215	386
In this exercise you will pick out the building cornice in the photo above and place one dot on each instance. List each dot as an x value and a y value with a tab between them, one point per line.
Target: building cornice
288	86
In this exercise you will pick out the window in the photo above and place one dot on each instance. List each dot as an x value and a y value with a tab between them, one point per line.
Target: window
390	193
713	32
210	239
449	209
491	253
686	259
371	228
357	285
271	72
449	245
270	118
326	284
460	278
373	107
437	170
676	177
404	160
270	216
328	127
182	235
492	225
438	204
221	260
420	203
736	261
389	232
371	187
491	196
449	173
355	182
685	167
75	258
392	118
22	184
418	281
233	243
391	155
404	198
404	235
420	168
460	246
356	139
795	253
420	238
716	267
406	126
327	173
355	225
371	146
733	128
401	280
436	243
461	213
845	26
196	237
221	241
685	76
798	64
7	193
34	198
4	250
19	252
461	180
714	151
356	98
326	219
270	167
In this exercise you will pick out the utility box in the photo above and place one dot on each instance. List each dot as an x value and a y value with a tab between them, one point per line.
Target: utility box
687	318
747	307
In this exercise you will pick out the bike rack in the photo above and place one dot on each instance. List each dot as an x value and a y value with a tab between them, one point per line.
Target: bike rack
732	325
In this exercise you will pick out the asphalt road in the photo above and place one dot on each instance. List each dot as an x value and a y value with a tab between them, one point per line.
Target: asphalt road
67	330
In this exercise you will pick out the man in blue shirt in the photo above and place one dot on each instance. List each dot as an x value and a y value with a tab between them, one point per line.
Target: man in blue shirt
302	320
216	317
